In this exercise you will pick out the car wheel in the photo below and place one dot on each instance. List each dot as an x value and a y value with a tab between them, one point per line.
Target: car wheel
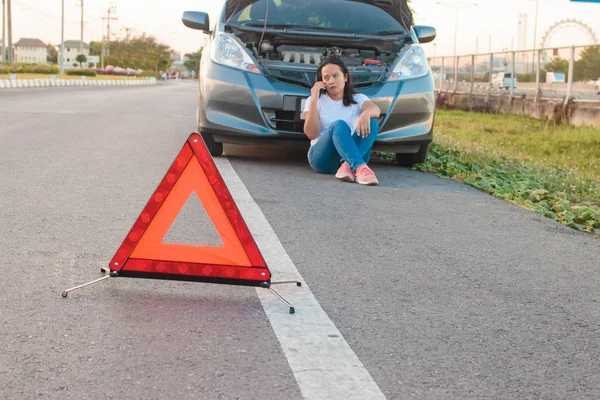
408	160
215	148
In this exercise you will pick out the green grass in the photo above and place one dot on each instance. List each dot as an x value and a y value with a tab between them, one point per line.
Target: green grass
540	142
553	170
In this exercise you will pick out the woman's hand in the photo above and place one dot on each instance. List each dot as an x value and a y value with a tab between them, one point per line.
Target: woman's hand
315	92
364	124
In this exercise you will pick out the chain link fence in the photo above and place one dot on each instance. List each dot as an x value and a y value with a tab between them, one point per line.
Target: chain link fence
567	73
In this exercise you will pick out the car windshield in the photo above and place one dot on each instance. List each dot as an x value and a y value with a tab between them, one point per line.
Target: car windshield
324	15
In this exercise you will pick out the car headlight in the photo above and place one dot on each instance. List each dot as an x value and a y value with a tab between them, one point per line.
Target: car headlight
412	64
227	51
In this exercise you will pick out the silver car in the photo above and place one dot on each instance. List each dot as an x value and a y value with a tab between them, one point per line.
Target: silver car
260	62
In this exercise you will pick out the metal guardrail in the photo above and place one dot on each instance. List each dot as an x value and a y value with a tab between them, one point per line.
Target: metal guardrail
519	73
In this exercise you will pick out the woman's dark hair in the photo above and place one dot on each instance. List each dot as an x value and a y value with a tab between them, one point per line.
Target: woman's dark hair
348	87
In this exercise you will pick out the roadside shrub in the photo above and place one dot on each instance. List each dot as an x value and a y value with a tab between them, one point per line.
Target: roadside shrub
81	71
42	69
150	74
16	68
20	68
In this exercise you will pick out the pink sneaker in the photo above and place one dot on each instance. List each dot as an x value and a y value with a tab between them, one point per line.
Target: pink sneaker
345	173
365	176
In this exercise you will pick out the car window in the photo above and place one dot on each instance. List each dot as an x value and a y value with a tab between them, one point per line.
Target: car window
335	15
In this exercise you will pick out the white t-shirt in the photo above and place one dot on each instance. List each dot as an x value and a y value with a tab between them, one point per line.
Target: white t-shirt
331	111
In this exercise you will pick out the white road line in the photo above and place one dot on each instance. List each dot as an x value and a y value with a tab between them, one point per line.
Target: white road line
323	363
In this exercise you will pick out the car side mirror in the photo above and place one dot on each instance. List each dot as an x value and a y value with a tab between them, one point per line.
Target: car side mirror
425	34
196	20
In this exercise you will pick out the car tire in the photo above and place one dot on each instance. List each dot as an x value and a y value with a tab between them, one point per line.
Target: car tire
408	160
215	148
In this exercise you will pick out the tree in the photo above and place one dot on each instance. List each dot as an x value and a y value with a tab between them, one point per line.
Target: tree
95	48
588	66
139	52
193	62
81	58
52	56
557	64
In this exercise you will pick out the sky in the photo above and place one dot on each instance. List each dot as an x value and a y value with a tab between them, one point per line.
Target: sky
476	23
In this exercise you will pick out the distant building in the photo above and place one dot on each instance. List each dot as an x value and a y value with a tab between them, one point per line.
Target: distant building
72	51
28	50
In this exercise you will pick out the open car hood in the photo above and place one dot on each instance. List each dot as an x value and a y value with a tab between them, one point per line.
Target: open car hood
396	8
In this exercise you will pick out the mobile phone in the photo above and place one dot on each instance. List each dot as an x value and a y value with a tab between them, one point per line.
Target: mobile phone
321	91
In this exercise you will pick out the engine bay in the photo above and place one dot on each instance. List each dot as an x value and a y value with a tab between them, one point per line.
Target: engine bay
308	55
294	59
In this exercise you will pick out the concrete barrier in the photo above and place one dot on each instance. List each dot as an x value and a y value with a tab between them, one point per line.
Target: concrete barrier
576	112
30	83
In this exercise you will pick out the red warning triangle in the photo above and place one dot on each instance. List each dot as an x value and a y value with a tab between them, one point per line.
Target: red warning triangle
143	253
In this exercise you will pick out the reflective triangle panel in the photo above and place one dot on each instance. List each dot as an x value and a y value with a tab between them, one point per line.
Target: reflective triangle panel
143	252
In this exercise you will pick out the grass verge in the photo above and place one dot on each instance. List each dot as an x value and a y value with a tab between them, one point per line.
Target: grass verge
553	170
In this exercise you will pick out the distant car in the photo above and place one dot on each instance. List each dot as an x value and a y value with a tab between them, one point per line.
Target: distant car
262	56
555	77
594	83
502	80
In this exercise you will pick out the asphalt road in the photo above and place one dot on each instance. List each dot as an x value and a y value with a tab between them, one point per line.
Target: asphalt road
441	291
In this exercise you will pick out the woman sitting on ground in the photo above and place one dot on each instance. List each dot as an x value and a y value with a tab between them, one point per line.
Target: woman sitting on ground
341	125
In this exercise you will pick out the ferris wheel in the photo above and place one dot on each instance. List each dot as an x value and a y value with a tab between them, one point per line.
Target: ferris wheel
566	32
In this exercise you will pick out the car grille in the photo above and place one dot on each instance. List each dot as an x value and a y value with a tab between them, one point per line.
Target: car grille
365	80
303	79
307	79
285	121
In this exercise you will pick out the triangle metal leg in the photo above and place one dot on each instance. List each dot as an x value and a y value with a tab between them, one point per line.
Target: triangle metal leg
298	283
292	309
65	293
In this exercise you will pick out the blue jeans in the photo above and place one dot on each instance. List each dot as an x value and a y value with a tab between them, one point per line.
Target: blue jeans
337	145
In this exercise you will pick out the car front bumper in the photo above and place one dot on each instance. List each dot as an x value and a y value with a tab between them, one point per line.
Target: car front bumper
243	107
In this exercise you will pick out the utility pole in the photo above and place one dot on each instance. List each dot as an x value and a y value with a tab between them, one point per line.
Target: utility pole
535	24
62	39
106	41
3	54
456	10
81	42
9	30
